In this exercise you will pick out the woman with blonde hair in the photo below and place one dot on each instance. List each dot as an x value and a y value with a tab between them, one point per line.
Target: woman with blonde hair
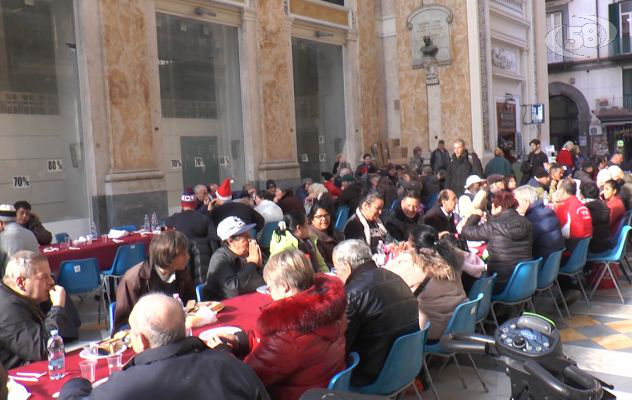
565	156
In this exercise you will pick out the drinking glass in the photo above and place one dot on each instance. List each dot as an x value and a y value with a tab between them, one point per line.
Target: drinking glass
88	369
115	363
104	238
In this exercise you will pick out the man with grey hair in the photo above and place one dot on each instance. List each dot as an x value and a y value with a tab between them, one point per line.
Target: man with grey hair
13	237
546	230
24	329
380	308
170	365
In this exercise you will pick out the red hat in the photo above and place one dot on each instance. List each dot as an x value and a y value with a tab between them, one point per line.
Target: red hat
188	200
223	191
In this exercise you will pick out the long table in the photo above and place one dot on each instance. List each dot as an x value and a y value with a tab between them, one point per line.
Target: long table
103	251
241	311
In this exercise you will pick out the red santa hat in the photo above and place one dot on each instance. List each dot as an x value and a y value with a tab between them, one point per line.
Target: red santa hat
223	191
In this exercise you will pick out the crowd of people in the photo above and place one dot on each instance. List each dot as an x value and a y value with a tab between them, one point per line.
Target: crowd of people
416	239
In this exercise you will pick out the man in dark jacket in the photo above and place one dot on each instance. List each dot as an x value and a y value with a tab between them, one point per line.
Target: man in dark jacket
228	275
586	172
600	215
234	209
546	229
380	308
462	165
440	158
169	365
24	329
197	228
441	215
406	215
534	160
30	221
429	184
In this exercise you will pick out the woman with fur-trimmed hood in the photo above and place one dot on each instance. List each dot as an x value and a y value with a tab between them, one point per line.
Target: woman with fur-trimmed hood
299	339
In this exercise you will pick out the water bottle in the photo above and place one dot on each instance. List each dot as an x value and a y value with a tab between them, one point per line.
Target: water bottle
146	226
93	232
56	356
154	221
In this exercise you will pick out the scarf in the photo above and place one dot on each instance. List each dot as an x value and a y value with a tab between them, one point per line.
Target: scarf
367	229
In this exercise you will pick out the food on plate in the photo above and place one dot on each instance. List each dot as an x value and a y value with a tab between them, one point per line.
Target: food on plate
193	308
114	344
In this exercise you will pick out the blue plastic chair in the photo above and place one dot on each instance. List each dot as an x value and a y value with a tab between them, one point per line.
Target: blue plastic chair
401	367
266	234
199	295
129	228
547	277
126	257
611	256
61	237
484	286
111	310
575	266
80	276
463	320
394	205
342	215
340	381
520	288
431	201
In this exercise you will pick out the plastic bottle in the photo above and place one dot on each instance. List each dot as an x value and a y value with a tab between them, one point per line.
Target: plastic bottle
93	232
146	226
154	221
56	356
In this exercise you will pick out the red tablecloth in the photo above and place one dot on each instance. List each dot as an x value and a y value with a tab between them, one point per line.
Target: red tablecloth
103	251
240	311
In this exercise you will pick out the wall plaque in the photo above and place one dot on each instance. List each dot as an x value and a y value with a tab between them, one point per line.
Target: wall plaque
434	21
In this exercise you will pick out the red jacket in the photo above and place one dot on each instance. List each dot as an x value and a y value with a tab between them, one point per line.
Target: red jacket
575	219
299	342
334	191
564	157
617	211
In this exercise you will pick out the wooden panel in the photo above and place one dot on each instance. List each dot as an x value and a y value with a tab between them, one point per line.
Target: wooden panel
320	11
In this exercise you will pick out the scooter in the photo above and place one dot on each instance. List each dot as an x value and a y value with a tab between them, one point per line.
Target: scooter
531	349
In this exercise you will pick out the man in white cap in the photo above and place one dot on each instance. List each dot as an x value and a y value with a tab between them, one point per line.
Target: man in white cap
472	186
234	267
13	237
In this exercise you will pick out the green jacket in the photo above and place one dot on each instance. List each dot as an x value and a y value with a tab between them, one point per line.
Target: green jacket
499	165
289	242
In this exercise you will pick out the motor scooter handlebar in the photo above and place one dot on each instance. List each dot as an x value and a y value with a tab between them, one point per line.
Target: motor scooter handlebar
467	343
586	382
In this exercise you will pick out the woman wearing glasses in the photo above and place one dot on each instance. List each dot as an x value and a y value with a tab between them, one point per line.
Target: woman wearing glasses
321	224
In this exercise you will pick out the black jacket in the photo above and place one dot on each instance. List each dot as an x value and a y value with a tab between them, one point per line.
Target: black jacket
583	176
546	230
460	169
398	224
234	209
430	186
187	369
229	276
380	308
198	228
439	160
43	236
438	220
600	214
24	329
509	241
532	162
351	196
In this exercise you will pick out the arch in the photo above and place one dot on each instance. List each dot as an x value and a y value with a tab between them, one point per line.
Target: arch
583	115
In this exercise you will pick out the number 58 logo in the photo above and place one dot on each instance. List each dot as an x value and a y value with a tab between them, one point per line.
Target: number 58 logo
578	41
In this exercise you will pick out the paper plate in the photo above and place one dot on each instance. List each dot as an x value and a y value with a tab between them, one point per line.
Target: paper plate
206	335
263	289
86	355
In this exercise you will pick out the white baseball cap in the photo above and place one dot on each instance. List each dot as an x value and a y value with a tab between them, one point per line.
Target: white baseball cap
232	226
472	179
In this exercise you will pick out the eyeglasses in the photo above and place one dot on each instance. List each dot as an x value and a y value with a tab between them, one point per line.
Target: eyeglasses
323	216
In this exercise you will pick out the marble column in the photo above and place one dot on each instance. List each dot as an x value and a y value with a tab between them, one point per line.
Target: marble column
276	92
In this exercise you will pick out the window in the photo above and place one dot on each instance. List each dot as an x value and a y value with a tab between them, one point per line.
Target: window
553	21
620	15
627	89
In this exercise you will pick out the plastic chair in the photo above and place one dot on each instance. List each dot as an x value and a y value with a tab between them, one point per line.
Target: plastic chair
520	288
61	237
431	201
484	286
199	295
463	320
129	228
80	276
394	205
126	257
111	310
547	277
401	367
340	381
611	256
342	215
574	266
266	234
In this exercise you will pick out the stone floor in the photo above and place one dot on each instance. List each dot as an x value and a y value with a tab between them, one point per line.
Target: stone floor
598	337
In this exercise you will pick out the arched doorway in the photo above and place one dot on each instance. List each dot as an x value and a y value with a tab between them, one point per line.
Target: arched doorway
564	121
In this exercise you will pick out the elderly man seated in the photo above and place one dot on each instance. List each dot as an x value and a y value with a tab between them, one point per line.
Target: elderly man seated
380	308
169	365
164	272
24	329
31	222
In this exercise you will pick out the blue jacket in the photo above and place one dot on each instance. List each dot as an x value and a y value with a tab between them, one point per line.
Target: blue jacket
547	233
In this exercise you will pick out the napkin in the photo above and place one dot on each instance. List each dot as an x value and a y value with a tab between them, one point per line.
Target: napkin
17	391
49	249
81	239
116	234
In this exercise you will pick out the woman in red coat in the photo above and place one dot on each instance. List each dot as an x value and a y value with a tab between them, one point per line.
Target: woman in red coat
615	204
565	156
299	340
